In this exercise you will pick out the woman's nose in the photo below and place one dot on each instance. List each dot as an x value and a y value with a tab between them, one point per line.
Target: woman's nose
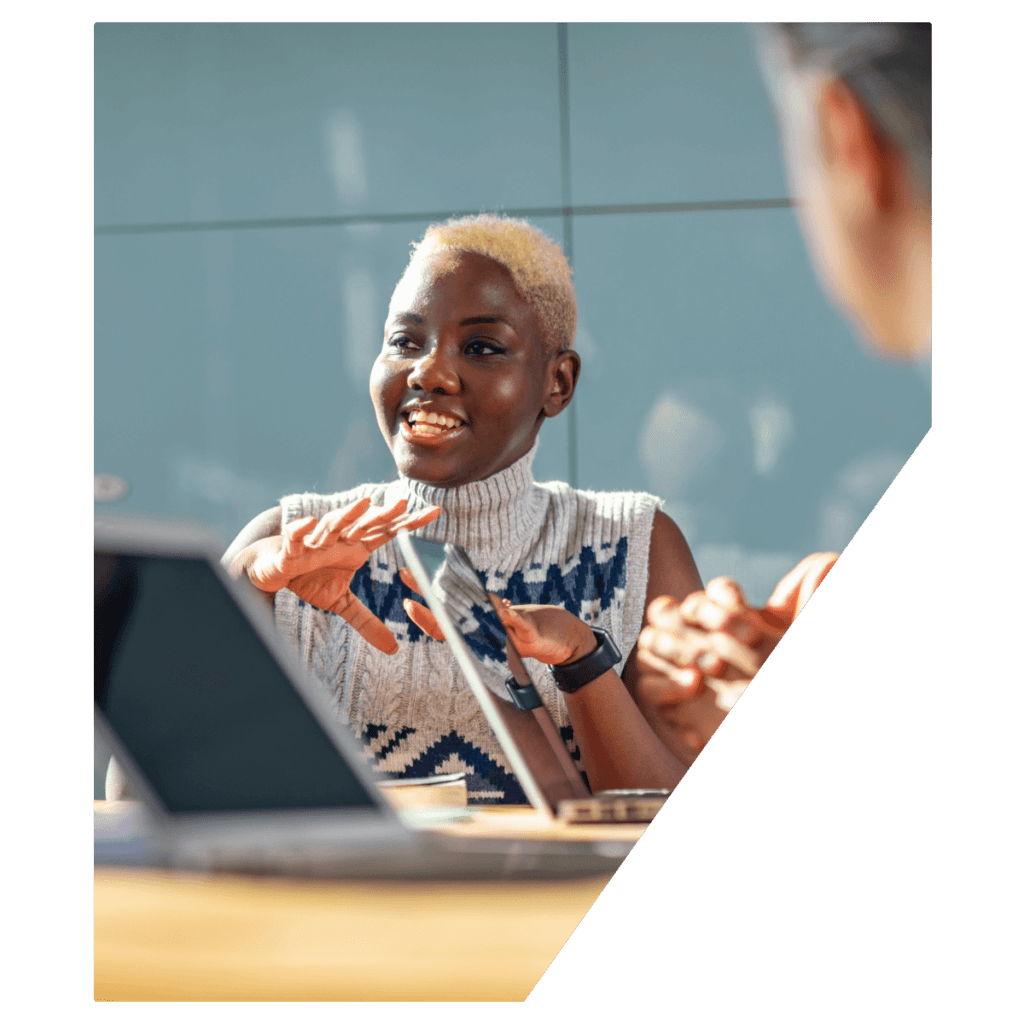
434	372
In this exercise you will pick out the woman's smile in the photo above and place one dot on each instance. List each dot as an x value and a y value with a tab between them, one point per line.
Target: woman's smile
421	424
462	380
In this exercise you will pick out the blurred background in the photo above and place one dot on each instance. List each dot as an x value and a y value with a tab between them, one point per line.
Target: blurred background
256	191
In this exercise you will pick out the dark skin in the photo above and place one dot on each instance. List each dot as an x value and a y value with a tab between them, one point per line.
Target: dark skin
462	344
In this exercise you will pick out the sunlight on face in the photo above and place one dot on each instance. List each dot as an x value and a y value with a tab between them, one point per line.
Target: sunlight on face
462	344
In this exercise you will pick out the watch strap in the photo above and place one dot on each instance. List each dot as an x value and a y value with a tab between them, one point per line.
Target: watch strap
576	674
526	698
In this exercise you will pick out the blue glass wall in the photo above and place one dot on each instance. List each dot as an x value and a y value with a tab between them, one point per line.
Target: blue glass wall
257	188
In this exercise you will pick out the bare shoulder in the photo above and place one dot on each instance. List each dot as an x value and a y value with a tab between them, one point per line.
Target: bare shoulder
266	524
665	533
672	569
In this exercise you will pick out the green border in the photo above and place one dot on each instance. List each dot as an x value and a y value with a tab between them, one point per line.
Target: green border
839	850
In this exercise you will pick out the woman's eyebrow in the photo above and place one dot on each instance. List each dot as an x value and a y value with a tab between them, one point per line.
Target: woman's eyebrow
414	317
496	319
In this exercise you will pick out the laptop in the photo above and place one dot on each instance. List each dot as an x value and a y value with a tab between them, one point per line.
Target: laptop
528	738
238	757
523	727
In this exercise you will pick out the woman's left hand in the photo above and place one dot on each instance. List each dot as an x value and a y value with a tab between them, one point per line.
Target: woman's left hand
545	632
549	634
618	747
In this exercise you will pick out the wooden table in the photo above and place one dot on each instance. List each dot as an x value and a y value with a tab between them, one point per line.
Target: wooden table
162	935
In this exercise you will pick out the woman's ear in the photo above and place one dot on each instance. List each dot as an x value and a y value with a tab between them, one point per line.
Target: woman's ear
563	374
857	152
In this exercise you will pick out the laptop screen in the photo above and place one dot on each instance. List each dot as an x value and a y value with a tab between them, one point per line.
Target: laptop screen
199	701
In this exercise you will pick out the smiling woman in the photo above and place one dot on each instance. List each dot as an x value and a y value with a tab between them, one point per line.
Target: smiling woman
461	387
477	354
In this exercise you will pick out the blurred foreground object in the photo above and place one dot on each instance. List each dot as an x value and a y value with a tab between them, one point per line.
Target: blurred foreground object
853	106
435	791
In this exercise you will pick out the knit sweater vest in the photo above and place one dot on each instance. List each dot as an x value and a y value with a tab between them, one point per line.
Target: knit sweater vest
528	542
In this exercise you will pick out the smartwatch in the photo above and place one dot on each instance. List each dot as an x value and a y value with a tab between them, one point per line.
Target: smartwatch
576	674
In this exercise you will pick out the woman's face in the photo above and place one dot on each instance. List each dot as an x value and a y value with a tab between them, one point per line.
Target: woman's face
463	381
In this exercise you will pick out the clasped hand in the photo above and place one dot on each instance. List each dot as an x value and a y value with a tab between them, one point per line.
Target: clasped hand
715	636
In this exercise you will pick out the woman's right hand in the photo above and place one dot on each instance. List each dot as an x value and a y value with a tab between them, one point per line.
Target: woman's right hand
317	559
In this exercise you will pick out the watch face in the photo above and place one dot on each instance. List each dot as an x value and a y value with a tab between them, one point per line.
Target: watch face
610	646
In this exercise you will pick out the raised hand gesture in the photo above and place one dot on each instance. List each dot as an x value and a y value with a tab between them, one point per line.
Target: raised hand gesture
316	560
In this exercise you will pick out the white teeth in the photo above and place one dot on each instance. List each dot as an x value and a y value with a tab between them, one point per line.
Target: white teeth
421	420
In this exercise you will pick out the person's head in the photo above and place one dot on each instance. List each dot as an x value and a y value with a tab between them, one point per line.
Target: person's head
853	102
477	349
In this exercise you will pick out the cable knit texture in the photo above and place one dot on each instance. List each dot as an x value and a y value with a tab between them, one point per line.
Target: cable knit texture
532	543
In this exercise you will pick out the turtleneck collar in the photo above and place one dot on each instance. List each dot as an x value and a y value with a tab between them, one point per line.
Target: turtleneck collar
492	518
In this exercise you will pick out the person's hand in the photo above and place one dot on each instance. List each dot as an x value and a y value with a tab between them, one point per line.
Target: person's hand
716	634
316	560
547	633
698	656
685	721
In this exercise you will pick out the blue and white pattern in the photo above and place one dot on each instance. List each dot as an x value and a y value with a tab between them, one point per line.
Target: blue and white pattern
532	543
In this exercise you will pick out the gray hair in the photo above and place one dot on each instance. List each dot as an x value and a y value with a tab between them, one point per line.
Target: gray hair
888	66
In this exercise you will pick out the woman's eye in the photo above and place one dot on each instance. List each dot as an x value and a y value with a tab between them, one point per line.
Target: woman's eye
402	342
480	347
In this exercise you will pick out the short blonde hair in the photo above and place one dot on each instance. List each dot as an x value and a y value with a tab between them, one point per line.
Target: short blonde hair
538	268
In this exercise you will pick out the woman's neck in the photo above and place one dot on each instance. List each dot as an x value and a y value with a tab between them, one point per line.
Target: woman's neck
492	517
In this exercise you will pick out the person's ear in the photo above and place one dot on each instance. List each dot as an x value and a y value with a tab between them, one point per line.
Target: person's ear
854	148
563	374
